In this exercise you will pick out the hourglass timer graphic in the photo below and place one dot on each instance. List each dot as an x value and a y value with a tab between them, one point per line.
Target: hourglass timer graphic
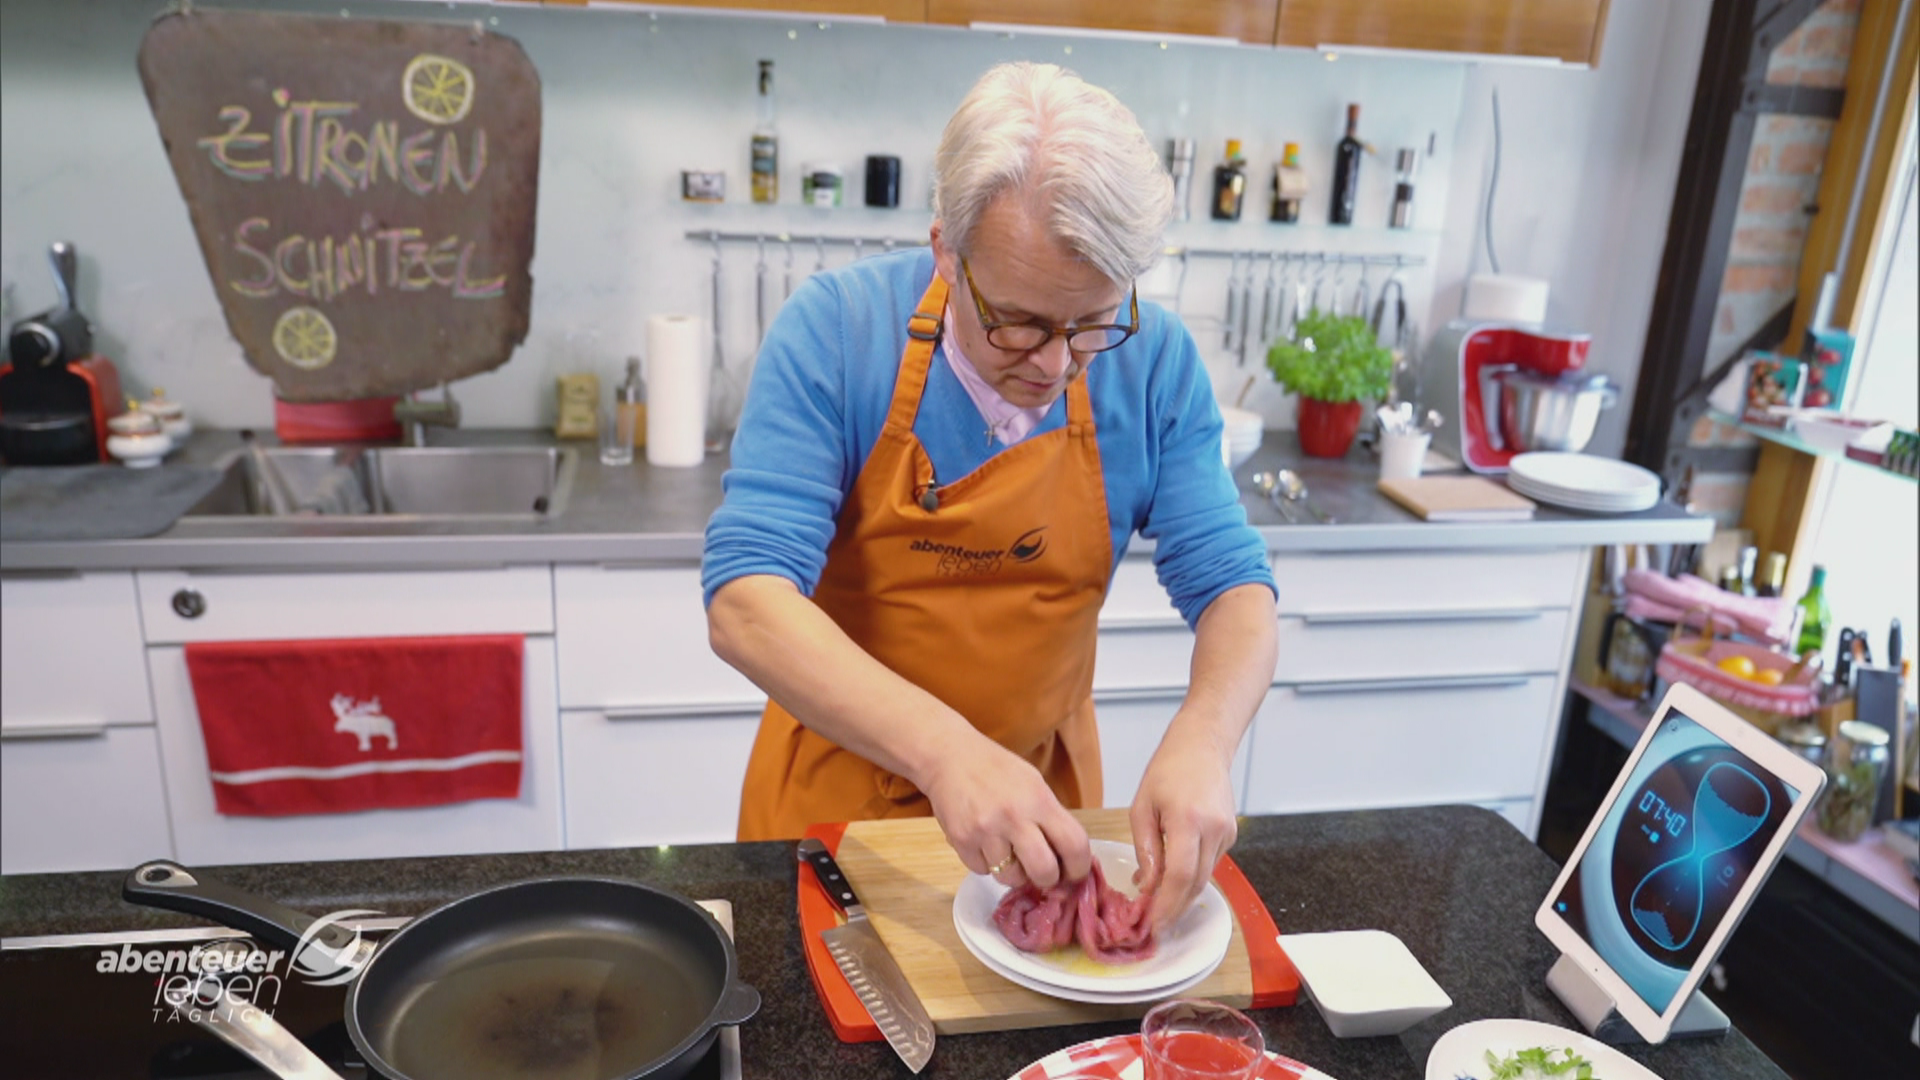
1729	806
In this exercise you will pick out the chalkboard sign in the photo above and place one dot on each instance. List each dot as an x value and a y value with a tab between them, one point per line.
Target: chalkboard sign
363	191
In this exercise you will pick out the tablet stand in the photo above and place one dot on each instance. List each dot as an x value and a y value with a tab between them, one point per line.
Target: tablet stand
1698	1019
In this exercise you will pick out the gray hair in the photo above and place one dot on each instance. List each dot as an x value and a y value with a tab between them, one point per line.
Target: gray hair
1043	132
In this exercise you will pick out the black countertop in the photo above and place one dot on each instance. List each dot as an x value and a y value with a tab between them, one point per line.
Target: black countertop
1457	884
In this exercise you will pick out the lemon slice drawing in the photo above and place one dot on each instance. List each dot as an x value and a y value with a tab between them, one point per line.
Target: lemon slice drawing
436	89
304	338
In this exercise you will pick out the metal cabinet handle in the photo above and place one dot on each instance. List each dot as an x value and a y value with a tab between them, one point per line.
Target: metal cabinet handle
1492	682
27	733
189	604
688	711
1357	618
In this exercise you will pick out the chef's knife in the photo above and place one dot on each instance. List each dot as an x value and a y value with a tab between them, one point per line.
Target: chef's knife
870	969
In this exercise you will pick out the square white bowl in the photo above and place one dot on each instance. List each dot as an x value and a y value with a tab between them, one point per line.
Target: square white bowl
1365	983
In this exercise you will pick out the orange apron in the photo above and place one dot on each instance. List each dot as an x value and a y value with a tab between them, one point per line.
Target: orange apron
988	602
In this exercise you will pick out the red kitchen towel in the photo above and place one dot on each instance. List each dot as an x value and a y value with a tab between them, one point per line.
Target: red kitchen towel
320	727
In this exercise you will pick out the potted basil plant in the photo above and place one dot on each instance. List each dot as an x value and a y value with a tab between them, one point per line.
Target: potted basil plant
1333	364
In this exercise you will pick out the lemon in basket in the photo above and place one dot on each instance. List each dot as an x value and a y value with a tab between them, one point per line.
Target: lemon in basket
1767	676
1738	666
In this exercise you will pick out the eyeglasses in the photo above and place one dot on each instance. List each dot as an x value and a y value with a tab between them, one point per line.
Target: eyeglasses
1028	336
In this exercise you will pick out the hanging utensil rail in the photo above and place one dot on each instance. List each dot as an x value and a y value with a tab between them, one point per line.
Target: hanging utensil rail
879	243
1329	258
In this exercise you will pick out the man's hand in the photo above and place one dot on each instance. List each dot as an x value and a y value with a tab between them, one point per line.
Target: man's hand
1183	821
1002	819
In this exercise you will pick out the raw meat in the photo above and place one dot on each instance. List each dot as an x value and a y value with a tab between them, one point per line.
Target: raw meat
1113	929
1110	928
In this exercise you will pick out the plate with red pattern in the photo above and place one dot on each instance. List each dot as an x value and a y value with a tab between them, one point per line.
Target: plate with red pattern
1118	1058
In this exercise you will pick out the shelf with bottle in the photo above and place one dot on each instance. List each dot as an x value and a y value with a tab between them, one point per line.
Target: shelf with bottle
1792	441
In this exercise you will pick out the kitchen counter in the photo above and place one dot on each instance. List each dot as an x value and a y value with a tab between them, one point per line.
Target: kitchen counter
641	513
1457	884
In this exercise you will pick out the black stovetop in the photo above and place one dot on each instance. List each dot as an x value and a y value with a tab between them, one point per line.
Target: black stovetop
64	1016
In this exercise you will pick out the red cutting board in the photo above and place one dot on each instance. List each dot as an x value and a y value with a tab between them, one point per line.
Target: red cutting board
906	875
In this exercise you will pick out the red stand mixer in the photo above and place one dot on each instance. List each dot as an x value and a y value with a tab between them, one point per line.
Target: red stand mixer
55	394
1519	390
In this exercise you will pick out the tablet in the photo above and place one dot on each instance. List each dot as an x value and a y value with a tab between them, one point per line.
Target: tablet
1683	841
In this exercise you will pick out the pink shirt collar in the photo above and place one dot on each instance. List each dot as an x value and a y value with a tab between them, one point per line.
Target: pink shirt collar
1006	422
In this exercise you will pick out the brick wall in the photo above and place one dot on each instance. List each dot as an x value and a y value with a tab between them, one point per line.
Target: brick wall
1776	200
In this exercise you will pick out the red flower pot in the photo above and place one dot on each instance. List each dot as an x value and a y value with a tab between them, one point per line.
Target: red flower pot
1327	428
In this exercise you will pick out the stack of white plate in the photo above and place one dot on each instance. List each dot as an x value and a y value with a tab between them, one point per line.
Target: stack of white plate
1243	431
1597	485
1189	949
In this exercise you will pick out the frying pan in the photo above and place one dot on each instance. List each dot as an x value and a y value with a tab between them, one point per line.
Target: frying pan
587	978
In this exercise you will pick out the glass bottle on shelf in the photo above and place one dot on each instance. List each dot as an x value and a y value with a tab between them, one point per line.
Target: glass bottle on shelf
1774	581
1289	186
766	143
1346	171
1815	615
1230	184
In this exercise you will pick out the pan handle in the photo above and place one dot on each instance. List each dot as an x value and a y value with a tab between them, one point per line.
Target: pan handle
165	884
737	1005
252	1031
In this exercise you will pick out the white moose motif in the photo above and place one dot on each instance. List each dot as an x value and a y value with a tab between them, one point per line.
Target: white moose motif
365	720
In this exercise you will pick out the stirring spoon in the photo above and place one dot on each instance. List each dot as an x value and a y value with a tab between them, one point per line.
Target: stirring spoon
1268	484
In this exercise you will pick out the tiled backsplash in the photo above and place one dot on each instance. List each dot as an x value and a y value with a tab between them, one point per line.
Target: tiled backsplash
630	99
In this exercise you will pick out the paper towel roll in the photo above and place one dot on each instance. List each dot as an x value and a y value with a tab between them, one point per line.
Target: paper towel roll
1506	298
676	391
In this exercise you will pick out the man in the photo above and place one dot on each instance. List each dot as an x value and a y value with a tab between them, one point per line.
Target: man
942	457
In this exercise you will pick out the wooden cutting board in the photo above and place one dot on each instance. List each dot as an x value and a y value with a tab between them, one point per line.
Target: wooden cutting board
906	876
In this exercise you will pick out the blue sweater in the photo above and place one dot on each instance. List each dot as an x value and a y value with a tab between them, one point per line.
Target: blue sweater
819	397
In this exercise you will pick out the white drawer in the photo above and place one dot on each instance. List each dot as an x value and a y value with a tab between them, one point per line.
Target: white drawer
203	835
71	656
1135	598
82	803
1524	641
1333	584
1143	658
637	637
1131	726
284	606
642	778
1415	744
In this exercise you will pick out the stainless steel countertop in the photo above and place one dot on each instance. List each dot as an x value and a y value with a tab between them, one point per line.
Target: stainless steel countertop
642	514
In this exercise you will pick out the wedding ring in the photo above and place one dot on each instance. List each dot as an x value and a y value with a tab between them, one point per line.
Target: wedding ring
994	870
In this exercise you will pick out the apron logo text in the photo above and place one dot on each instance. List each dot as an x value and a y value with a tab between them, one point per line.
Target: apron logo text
959	561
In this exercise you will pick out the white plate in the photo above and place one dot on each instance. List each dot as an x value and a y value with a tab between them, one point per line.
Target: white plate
1095	997
1192	944
1591	503
1583	473
1462	1052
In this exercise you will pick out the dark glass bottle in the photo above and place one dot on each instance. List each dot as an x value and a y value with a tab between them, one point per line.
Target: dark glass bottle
1346	171
1230	184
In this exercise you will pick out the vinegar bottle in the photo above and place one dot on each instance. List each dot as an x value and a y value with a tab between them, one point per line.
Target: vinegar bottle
1346	171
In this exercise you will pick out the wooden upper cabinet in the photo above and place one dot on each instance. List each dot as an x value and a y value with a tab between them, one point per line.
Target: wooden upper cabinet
1568	30
1251	21
906	11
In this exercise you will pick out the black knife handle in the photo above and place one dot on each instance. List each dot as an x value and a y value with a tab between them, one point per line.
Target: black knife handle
815	854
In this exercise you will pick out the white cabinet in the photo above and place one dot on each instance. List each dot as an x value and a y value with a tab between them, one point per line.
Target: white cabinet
1414	743
656	728
1131	725
203	835
180	607
71	655
638	777
636	637
81	802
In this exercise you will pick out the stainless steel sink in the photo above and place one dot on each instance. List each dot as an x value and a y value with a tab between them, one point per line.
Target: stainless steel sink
524	483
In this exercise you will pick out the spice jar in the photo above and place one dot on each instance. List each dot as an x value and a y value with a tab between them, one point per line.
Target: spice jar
1805	739
821	185
1856	763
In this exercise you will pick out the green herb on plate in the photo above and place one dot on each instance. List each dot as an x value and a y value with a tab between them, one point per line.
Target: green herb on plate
1539	1061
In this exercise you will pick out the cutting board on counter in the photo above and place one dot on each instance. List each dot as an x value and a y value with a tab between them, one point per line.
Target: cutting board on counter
906	875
